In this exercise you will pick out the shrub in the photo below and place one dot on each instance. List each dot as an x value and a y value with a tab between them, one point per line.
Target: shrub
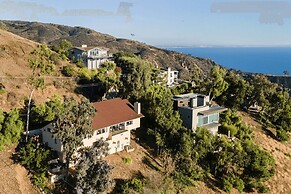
225	129
69	71
2	88
134	184
263	189
282	135
80	63
127	160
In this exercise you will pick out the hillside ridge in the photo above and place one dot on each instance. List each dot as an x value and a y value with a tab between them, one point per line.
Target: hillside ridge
54	33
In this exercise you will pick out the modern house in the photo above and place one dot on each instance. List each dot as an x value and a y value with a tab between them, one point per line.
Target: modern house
169	76
92	57
113	123
196	111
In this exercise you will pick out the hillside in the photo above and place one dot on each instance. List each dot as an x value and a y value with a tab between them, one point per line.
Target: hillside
53	33
14	54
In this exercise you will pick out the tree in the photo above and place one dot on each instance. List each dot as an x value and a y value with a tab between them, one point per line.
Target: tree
12	126
34	157
72	125
218	84
92	173
136	76
46	112
237	92
41	65
165	124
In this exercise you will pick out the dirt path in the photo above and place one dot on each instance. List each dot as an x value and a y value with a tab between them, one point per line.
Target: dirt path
13	177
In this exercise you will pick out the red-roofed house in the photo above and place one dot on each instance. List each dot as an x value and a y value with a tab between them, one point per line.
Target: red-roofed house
113	122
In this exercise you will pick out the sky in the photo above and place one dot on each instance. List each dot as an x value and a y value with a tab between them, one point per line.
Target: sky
167	23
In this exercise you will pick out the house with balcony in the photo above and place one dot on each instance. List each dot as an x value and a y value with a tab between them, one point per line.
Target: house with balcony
92	57
168	76
113	123
196	111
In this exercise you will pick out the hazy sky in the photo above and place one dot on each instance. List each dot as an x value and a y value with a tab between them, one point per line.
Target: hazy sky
167	22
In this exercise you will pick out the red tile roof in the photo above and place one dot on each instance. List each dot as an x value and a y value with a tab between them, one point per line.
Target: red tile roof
111	112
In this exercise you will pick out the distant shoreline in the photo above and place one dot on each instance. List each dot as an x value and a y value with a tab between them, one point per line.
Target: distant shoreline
264	60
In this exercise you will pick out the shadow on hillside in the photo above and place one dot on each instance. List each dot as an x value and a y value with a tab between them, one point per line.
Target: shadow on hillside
90	92
212	184
147	161
265	129
145	140
269	133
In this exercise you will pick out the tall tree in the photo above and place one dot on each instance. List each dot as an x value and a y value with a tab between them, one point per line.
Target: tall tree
92	173
41	65
165	123
136	76
72	125
218	84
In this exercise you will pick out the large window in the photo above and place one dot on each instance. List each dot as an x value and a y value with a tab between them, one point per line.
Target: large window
213	118
205	120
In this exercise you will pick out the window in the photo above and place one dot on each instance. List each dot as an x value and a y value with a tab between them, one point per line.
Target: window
205	120
98	131
129	123
213	118
55	140
103	130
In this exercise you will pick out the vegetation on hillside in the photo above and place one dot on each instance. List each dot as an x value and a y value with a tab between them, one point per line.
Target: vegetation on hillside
235	161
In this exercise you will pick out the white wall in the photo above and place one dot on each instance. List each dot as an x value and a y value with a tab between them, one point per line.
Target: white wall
122	138
47	137
89	141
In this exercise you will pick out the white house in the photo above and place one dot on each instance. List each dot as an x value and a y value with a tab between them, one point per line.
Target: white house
92	57
113	122
196	111
169	76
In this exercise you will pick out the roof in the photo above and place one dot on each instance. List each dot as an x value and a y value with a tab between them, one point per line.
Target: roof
187	96
89	48
111	112
212	109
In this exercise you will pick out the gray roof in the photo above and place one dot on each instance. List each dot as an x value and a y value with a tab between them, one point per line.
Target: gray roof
213	109
187	96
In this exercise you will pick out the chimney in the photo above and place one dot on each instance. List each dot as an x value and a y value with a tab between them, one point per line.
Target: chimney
193	102
137	107
84	45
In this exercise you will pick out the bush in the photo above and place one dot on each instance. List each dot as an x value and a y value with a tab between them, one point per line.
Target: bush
127	160
227	185
2	88
69	71
225	129
263	189
282	135
134	184
39	180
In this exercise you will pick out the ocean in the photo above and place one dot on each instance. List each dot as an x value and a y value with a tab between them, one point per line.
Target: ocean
267	60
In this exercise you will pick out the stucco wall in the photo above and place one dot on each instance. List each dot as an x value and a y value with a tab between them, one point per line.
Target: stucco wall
47	137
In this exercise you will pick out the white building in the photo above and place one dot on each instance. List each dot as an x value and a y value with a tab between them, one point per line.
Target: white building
196	111
113	122
92	57
169	76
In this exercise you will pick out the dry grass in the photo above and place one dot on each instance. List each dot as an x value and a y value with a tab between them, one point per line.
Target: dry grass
14	178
